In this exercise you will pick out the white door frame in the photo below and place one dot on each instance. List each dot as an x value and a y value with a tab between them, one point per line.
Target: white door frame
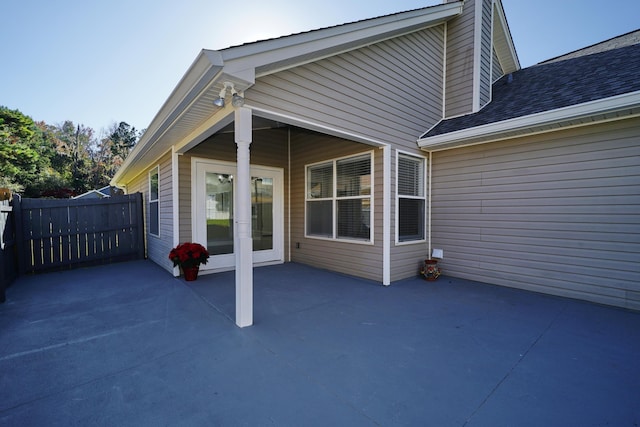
199	168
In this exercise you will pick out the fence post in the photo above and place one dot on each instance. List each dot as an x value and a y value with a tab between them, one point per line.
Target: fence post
5	247
140	221
19	234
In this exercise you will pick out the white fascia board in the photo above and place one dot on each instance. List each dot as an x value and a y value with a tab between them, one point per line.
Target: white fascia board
495	131
499	15
262	53
202	71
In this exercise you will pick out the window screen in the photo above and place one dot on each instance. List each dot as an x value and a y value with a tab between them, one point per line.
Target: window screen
340	207
154	208
411	198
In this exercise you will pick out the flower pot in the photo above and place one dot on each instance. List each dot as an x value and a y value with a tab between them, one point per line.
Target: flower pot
190	273
431	270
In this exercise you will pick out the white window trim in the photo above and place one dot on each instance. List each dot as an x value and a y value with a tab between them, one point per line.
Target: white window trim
425	197
155	170
334	200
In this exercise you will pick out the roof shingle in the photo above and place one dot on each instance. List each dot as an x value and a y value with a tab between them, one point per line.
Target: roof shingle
555	85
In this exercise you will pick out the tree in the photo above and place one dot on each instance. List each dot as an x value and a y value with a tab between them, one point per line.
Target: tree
37	159
21	143
123	138
113	149
77	142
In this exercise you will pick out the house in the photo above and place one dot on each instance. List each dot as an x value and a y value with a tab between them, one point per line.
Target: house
100	193
361	147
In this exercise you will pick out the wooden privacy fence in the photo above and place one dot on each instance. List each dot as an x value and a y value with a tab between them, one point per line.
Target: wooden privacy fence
54	233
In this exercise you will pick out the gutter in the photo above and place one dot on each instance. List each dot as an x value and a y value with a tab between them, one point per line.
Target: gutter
612	108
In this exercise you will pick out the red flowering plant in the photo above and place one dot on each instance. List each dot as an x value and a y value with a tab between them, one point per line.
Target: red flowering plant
189	255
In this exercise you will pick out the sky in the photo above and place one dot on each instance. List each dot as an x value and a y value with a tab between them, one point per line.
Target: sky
97	63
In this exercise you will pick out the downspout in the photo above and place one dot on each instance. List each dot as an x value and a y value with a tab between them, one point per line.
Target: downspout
429	204
289	191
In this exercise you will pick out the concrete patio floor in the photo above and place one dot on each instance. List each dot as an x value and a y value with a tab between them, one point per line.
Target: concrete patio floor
129	345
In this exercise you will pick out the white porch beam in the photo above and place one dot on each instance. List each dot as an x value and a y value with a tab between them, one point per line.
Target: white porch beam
242	215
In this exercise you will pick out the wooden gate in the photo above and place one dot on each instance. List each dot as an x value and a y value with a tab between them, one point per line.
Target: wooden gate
55	234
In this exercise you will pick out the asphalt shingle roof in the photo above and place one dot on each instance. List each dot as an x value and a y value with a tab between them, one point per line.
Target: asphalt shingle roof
550	86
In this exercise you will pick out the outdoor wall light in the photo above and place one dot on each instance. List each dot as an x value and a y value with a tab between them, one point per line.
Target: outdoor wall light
237	100
219	101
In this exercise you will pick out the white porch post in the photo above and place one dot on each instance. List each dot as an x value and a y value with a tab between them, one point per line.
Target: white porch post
242	215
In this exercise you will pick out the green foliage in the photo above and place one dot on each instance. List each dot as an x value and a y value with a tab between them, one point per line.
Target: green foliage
37	159
20	141
123	138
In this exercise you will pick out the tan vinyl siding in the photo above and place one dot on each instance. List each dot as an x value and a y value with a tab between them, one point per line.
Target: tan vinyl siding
363	260
460	58
401	77
407	260
158	247
556	213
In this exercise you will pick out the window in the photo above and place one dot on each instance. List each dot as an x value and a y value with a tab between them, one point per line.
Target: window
411	217
154	208
338	202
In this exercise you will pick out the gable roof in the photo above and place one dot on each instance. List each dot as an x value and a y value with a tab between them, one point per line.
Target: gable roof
548	95
188	116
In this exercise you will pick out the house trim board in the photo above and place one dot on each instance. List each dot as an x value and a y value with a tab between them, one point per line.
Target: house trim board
477	50
307	124
175	203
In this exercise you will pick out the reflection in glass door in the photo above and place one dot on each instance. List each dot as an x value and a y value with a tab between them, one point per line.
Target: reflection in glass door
262	213
219	216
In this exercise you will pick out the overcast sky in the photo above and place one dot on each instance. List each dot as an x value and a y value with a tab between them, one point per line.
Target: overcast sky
101	62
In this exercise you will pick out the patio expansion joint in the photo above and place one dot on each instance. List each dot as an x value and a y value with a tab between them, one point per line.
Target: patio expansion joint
517	363
96	379
76	341
211	304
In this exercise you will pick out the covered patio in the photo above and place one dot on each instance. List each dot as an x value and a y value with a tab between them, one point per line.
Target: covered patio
128	344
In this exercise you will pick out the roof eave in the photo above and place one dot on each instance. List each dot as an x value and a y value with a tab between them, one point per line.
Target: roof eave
212	67
206	66
602	110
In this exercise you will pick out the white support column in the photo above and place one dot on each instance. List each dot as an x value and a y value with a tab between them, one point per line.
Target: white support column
386	215
242	215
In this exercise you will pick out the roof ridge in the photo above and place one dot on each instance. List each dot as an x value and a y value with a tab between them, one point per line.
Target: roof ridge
330	26
591	49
